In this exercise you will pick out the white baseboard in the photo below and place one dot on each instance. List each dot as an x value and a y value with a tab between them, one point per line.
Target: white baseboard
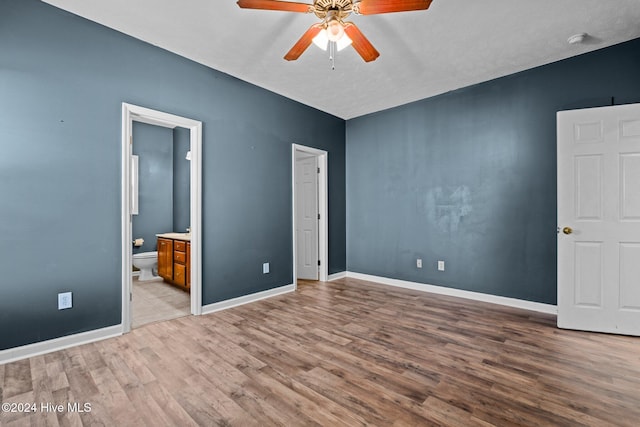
36	349
442	290
246	299
336	276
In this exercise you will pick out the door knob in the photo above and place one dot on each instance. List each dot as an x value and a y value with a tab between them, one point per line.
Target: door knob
567	230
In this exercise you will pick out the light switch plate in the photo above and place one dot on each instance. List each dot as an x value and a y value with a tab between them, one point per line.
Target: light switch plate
419	263
440	265
265	268
65	300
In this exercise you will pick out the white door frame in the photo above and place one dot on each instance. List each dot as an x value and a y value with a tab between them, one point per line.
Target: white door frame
323	209
133	113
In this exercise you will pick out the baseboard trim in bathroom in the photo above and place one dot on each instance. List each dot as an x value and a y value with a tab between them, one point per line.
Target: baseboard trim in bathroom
234	302
37	349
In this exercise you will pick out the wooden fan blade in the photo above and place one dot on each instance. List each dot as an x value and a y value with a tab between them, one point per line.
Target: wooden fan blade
304	42
360	42
372	7
285	6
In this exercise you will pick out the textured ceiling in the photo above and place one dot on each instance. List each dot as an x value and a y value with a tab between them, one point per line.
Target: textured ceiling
455	43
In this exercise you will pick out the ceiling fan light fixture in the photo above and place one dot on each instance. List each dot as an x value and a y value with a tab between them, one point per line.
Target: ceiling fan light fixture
332	27
344	41
321	40
335	30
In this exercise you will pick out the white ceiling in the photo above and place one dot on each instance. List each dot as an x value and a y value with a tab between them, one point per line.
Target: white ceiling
455	43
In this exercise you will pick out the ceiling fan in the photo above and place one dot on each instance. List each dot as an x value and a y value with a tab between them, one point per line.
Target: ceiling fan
333	27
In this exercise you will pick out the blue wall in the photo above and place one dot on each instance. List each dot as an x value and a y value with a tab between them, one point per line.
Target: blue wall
154	147
469	177
181	180
62	82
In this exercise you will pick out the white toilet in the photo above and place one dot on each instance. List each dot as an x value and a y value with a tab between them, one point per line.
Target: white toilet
146	262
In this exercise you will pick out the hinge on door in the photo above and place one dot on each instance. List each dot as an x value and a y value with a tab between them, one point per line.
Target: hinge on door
131	139
318	262
318	170
318	216
130	296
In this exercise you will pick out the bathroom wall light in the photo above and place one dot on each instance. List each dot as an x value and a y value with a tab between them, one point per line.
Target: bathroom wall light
188	157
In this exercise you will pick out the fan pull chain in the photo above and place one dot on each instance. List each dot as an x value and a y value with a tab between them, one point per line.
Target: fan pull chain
332	55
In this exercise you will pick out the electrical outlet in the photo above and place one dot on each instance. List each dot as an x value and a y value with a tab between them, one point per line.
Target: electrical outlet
440	265
419	263
265	268
65	300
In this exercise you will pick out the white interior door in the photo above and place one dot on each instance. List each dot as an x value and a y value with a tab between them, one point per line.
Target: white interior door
599	219
307	217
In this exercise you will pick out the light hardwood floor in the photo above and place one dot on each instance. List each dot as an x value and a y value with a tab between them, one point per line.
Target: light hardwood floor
344	353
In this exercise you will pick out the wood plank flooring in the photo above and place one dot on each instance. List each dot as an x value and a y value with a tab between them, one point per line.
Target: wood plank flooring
345	353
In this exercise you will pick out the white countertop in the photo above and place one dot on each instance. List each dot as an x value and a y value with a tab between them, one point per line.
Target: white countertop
176	236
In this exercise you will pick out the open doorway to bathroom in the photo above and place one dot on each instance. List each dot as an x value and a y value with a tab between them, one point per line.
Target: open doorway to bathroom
160	223
161	216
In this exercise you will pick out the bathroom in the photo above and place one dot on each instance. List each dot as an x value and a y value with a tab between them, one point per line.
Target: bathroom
161	199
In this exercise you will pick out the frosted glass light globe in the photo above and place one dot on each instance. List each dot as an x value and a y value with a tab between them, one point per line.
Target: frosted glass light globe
335	30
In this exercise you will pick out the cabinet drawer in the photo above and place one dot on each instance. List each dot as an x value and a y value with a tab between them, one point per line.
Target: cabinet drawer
180	245
180	257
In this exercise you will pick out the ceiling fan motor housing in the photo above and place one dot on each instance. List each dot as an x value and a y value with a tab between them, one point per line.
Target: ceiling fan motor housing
325	9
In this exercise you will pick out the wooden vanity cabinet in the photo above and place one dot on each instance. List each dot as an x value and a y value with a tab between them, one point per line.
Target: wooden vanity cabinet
174	262
165	258
189	265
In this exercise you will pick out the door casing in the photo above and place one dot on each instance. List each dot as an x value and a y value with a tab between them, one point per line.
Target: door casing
323	197
133	113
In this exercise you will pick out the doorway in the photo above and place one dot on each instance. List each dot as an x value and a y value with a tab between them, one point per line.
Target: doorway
131	114
310	213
